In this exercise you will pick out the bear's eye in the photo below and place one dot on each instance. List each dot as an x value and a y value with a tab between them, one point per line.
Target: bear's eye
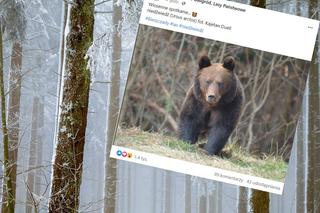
208	81
220	85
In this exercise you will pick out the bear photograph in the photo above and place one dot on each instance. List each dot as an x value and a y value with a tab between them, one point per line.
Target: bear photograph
211	103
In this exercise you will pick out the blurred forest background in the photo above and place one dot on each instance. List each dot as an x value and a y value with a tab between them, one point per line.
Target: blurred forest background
63	68
163	68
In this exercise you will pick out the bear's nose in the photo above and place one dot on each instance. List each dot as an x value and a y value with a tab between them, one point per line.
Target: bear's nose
211	97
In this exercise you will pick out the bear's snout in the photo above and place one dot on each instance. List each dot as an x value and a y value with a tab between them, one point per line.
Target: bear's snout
212	94
212	98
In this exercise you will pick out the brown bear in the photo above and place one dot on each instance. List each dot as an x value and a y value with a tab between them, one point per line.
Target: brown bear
212	104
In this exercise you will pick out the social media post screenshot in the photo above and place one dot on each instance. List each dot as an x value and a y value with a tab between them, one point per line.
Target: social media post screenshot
215	91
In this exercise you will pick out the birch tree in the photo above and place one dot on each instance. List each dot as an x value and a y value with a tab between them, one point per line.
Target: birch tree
67	168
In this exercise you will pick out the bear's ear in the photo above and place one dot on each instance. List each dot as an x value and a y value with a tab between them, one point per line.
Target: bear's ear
229	63
204	62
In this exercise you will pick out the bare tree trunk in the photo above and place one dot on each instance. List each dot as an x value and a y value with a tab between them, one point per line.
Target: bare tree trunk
14	110
129	185
312	197
300	152
167	203
260	201
203	199
67	168
300	176
258	3
187	194
38	182
218	197
298	7
8	198
316	185
113	111
32	158
13	118
211	199
243	200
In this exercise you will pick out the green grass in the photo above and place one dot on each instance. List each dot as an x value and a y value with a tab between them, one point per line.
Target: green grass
177	145
234	158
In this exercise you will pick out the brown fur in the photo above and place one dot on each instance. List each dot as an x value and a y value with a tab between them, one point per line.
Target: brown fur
212	104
